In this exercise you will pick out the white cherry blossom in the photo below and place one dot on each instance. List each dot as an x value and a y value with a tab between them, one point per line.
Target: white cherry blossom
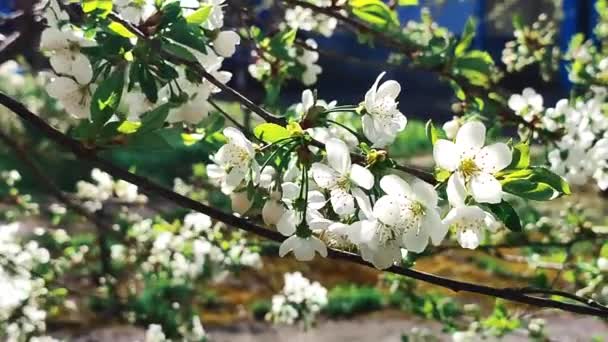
418	213
303	248
135	11
66	58
341	177
528	105
233	161
382	120
73	96
469	223
472	165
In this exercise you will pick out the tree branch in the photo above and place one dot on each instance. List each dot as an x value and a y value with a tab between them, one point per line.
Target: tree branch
147	186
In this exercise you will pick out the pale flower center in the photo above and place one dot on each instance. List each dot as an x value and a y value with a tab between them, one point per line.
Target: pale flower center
387	233
343	182
237	156
468	168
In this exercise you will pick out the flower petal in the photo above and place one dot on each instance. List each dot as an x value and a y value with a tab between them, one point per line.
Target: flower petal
437	230
390	88
468	238
416	240
318	246
363	202
287	245
82	69
288	222
338	155
517	102
471	137
425	193
342	202
361	176
494	158
395	185
388	210
304	250
456	190
485	188
370	96
324	176
446	154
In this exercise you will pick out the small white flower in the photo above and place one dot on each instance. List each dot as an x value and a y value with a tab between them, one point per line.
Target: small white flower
341	177
418	214
225	43
126	191
469	222
528	105
66	58
232	161
74	97
382	120
308	58
472	165
303	248
135	11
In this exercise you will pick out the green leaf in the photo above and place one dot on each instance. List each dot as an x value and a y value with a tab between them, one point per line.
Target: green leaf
177	50
408	3
155	118
121	30
147	82
521	156
505	212
476	66
468	33
129	127
432	133
374	12
105	6
269	132
200	15
535	183
530	190
107	97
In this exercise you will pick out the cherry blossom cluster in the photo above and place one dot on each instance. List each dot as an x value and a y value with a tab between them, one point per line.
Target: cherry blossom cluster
582	152
193	331
305	19
345	203
22	311
304	56
74	82
533	44
194	249
105	188
300	300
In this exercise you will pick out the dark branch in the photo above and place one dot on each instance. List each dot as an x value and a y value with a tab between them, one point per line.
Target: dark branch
149	187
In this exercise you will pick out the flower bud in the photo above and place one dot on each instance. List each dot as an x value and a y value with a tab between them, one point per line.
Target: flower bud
272	212
451	128
240	202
